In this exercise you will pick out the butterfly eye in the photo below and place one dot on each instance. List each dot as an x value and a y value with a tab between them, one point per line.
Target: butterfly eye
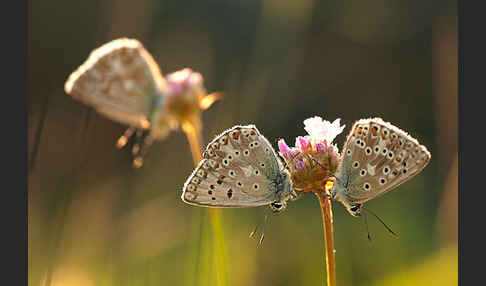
362	172
257	172
384	151
276	205
377	149
240	184
349	152
237	153
256	186
382	181
390	154
262	165
356	164
246	152
368	150
232	173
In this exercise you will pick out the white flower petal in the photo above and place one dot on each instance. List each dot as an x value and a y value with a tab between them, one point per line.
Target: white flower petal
320	130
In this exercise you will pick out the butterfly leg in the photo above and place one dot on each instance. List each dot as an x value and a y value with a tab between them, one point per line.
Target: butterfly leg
295	195
139	150
122	141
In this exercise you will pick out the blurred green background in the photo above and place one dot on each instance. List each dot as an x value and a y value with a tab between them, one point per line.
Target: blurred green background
94	220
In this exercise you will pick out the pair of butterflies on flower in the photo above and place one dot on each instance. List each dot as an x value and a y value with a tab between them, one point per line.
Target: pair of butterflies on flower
240	168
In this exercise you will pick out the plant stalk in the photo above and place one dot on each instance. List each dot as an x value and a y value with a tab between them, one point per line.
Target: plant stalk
194	137
327	222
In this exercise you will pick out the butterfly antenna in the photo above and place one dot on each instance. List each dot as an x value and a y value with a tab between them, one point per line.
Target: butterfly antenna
286	165
366	225
263	229
252	234
324	167
388	228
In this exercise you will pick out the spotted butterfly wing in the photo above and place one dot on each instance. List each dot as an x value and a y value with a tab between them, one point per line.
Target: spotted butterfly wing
376	158
120	80
239	169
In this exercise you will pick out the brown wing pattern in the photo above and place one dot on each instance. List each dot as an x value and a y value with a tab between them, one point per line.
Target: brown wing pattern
120	80
379	157
238	170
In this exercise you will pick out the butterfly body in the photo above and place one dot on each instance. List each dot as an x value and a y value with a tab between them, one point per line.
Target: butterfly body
376	158
239	169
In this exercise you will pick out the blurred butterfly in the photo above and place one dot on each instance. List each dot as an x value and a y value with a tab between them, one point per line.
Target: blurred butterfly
239	169
122	81
376	158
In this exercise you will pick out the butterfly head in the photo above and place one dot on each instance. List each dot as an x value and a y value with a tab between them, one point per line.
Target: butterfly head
338	193
284	192
354	209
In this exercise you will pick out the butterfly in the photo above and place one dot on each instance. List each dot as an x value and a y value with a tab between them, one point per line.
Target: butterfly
122	81
376	158
239	169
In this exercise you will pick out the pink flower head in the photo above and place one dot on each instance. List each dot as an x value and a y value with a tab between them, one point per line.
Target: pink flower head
322	130
303	143
321	146
284	149
300	165
182	80
314	158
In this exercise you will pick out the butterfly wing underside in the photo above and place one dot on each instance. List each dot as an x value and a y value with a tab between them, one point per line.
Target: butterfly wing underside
377	157
120	80
239	169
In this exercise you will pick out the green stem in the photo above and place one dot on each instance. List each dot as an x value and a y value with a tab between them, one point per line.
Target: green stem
194	136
